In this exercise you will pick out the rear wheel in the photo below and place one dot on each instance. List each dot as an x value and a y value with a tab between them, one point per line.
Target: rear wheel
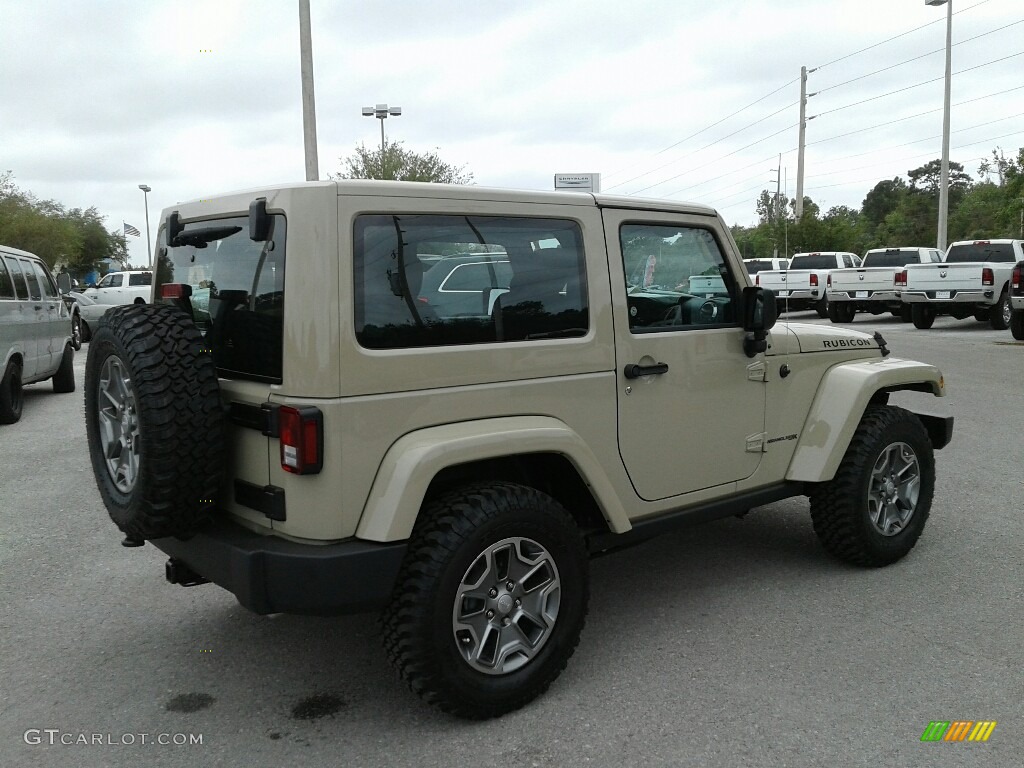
1017	324
822	308
490	601
10	393
874	510
923	316
1001	313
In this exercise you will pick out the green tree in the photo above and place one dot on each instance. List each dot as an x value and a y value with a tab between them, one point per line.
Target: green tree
400	164
883	199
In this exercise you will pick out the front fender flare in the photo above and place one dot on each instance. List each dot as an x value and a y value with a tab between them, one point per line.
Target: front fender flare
416	458
842	398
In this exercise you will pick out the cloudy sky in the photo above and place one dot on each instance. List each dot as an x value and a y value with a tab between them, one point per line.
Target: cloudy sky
665	98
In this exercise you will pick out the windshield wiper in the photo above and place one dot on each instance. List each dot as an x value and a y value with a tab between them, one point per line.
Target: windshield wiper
200	237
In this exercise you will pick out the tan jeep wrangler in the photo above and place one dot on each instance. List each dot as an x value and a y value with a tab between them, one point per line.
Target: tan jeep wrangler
306	421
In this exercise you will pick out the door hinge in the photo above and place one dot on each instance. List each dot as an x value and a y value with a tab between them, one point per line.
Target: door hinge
757	371
757	443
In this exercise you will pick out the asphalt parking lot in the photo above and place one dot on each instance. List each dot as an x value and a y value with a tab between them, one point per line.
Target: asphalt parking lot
733	644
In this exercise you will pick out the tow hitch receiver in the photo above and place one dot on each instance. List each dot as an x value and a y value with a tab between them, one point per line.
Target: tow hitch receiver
179	573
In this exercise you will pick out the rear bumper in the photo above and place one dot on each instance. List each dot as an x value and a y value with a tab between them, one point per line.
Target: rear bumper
985	297
272	575
1017	302
887	297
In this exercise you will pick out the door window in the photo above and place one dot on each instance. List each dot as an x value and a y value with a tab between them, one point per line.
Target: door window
45	280
21	287
676	279
142	278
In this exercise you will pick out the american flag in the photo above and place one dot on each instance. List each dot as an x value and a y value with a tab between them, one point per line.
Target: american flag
130	230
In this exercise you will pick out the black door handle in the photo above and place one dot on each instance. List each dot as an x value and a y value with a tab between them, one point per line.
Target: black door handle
635	371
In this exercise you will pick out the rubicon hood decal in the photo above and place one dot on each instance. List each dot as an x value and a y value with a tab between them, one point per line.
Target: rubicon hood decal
823	338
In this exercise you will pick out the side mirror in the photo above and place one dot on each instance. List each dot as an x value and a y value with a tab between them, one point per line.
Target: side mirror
174	227
759	315
64	282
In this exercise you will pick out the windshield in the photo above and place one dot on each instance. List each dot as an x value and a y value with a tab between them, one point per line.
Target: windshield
980	252
237	292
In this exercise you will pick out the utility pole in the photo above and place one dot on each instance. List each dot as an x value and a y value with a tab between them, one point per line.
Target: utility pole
308	101
799	210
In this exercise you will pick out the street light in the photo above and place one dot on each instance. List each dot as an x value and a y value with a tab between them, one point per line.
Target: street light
944	177
381	112
146	189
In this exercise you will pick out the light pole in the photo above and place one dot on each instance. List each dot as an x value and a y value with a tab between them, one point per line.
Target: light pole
146	189
944	176
381	112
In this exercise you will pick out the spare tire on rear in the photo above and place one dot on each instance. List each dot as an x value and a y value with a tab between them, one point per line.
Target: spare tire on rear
154	421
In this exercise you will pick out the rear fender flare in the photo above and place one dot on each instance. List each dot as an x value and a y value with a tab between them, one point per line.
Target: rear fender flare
408	467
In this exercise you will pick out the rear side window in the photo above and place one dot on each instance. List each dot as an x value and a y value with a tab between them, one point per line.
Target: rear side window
760	265
237	292
813	261
506	279
981	251
6	284
890	258
142	278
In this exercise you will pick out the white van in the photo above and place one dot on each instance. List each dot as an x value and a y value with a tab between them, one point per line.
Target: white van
35	331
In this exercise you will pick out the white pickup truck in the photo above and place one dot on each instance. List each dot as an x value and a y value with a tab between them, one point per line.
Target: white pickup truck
131	287
974	279
871	287
1017	301
802	286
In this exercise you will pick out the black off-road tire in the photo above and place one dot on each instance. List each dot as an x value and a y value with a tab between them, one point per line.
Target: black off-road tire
450	536
839	508
923	316
76	331
1000	314
64	378
10	393
1017	324
176	405
821	307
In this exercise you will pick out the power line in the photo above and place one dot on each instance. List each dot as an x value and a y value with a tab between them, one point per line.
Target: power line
918	85
696	152
908	61
895	37
698	133
723	175
907	144
911	117
736	151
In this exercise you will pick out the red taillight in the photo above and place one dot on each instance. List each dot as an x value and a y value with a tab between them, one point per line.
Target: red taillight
901	278
175	291
757	279
302	439
814	280
987	277
1018	280
828	281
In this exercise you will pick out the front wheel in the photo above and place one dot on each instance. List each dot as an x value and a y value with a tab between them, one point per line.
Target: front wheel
1017	324
874	510
1001	313
10	393
76	332
490	601
923	316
